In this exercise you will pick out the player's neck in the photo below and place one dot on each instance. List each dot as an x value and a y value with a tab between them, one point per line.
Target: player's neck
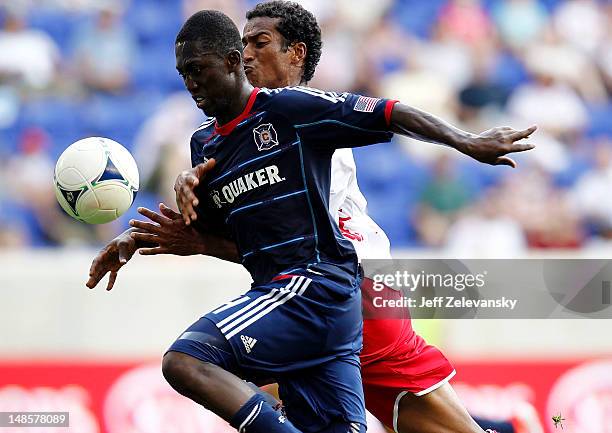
295	82
238	103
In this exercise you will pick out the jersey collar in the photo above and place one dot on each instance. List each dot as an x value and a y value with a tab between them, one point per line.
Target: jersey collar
231	125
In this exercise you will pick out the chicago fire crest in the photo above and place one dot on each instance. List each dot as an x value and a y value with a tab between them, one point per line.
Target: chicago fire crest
265	136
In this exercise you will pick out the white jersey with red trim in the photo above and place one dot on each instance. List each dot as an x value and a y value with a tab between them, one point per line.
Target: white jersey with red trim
348	207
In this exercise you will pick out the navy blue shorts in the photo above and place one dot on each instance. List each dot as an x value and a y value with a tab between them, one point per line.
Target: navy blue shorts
302	330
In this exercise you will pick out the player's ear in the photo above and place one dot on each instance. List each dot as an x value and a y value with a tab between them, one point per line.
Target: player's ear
233	60
298	55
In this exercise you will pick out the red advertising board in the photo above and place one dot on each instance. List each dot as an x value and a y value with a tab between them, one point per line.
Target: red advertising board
134	398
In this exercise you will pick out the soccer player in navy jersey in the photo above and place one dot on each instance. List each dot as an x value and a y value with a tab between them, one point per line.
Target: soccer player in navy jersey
312	143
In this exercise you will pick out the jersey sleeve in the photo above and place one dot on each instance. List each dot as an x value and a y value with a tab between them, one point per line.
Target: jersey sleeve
336	120
199	138
207	218
196	153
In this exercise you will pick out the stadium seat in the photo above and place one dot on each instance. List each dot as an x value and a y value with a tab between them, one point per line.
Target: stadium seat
478	177
154	21
577	167
58	117
156	69
55	23
416	16
600	124
117	117
508	71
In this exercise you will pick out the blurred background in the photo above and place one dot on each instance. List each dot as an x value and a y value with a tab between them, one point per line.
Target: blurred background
76	68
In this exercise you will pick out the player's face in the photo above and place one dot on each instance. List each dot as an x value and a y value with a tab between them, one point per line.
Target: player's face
267	61
206	77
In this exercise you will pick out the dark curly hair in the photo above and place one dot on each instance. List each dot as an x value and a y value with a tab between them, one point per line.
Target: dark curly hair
296	24
213	29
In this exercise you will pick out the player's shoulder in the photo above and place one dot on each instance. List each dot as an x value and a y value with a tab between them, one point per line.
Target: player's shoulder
298	94
205	130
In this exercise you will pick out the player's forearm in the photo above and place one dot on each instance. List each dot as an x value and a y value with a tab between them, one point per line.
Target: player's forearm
221	248
418	124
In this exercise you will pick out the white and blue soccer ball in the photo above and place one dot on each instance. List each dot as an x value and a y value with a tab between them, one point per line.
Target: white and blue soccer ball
96	180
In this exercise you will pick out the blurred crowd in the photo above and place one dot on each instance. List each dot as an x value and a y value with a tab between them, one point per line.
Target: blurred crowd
76	68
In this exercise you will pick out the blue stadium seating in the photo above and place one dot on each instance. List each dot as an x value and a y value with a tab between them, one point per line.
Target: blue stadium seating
56	24
416	16
117	117
391	181
154	22
600	121
156	69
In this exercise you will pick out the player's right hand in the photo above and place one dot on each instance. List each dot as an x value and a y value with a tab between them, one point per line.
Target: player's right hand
111	258
184	187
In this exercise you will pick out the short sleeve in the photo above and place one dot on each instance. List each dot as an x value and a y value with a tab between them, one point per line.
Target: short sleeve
196	155
336	120
199	138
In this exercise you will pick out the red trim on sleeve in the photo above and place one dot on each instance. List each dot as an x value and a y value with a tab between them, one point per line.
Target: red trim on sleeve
388	110
229	126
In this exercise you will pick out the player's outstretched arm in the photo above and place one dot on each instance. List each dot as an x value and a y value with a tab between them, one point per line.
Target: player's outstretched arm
169	234
184	187
112	257
489	147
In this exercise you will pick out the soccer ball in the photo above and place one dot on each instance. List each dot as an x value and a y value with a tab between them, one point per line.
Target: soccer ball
96	180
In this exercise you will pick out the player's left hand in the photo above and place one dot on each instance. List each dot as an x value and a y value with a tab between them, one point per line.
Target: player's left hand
168	231
112	258
491	146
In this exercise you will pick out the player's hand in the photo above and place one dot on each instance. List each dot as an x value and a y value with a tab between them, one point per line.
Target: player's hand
184	187
491	146
168	232
111	258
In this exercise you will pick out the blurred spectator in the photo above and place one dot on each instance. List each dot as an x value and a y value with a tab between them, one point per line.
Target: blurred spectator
581	23
360	15
385	49
482	99
465	20
446	57
31	167
541	209
443	197
553	106
565	64
13	232
588	193
162	147
337	68
560	226
519	21
485	231
603	56
28	57
9	106
422	89
29	177
105	52
235	9
530	62
426	91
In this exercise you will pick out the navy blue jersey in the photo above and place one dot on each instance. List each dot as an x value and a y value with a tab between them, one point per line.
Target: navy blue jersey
269	190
